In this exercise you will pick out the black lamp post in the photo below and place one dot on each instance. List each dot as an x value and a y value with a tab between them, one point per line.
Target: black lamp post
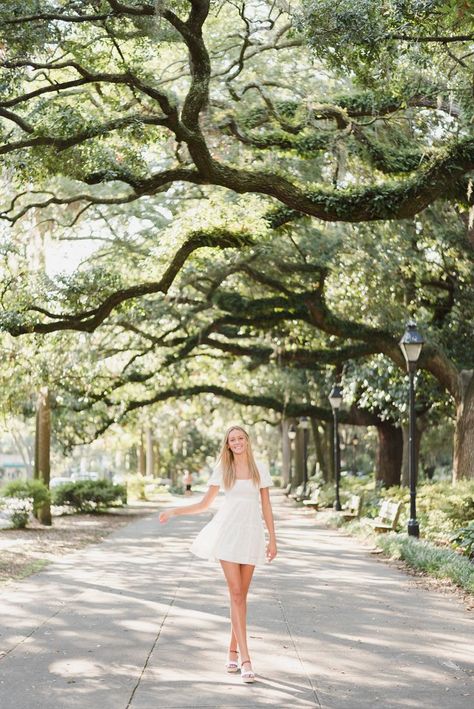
291	436
304	424
335	399
411	345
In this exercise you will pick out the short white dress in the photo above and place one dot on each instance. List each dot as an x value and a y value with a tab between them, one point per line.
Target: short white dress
236	532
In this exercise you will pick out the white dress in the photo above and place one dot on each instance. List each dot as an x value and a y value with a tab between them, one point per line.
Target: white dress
236	532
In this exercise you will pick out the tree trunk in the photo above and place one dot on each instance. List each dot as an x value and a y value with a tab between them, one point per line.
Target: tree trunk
463	463
298	458
132	459
43	449
389	454
405	480
142	456
150	457
319	447
156	458
285	451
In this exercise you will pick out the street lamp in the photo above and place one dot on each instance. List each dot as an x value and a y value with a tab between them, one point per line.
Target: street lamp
304	424
291	436
411	345
335	399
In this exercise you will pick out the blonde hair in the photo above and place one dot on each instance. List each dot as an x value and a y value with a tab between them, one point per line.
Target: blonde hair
226	460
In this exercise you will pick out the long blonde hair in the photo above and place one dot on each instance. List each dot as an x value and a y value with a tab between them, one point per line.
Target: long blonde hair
226	460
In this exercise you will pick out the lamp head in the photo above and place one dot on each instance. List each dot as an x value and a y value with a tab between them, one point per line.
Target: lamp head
411	344
335	397
304	422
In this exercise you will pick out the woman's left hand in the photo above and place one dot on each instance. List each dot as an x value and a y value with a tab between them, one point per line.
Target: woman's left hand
271	550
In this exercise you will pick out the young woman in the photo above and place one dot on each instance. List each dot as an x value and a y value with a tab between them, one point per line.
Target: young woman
235	536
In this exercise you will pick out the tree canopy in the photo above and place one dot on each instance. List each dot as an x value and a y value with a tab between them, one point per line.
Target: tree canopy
275	188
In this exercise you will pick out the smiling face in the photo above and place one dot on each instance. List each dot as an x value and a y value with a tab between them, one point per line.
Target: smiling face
237	441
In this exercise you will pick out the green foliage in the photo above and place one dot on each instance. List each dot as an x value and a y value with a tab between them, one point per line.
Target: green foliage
357	283
35	490
89	495
136	487
463	539
441	507
378	41
426	557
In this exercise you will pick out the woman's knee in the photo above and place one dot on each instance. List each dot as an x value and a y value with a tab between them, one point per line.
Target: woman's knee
237	596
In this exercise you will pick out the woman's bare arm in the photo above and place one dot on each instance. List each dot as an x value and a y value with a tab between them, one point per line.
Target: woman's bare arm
194	509
268	517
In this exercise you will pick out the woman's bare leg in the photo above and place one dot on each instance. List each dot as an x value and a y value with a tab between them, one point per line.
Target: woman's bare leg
238	583
246	573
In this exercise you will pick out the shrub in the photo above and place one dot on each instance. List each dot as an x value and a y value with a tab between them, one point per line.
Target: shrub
442	508
89	495
145	487
34	490
18	509
464	540
136	486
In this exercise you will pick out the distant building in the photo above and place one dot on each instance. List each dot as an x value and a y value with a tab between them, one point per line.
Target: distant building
12	468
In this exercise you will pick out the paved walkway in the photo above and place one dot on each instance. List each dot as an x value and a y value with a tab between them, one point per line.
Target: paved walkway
137	623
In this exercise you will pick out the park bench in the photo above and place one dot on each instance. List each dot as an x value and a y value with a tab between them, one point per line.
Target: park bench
313	499
387	518
297	493
351	510
307	492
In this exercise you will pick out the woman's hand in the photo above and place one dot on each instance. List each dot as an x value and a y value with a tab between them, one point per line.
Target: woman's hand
271	550
165	515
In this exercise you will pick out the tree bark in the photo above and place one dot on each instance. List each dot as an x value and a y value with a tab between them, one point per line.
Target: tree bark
298	459
463	462
43	449
156	459
389	454
285	451
318	446
150	454
142	455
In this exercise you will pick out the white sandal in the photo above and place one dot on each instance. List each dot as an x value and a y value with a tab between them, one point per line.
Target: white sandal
248	676
232	665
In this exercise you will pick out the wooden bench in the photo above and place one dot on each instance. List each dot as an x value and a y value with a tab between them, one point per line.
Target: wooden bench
387	518
297	493
313	499
351	510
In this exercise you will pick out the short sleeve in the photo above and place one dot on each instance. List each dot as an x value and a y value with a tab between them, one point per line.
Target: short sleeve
265	477
216	477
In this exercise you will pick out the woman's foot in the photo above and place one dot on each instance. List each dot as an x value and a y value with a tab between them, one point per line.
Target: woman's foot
232	664
246	672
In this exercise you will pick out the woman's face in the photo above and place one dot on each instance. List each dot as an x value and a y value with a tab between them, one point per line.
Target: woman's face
237	441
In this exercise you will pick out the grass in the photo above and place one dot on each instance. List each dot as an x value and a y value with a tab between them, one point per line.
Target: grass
419	554
427	557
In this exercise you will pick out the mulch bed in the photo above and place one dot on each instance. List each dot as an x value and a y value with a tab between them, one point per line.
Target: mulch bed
25	551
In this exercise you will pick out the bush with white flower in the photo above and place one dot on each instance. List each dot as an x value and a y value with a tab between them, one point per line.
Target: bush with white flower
17	509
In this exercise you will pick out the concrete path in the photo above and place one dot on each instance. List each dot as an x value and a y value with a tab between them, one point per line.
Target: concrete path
137	623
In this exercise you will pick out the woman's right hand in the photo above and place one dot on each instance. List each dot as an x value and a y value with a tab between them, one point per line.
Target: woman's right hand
165	515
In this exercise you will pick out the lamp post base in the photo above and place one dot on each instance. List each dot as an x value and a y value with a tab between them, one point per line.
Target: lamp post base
337	506
413	528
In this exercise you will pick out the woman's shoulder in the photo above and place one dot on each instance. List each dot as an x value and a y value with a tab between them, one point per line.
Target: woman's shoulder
265	477
216	475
